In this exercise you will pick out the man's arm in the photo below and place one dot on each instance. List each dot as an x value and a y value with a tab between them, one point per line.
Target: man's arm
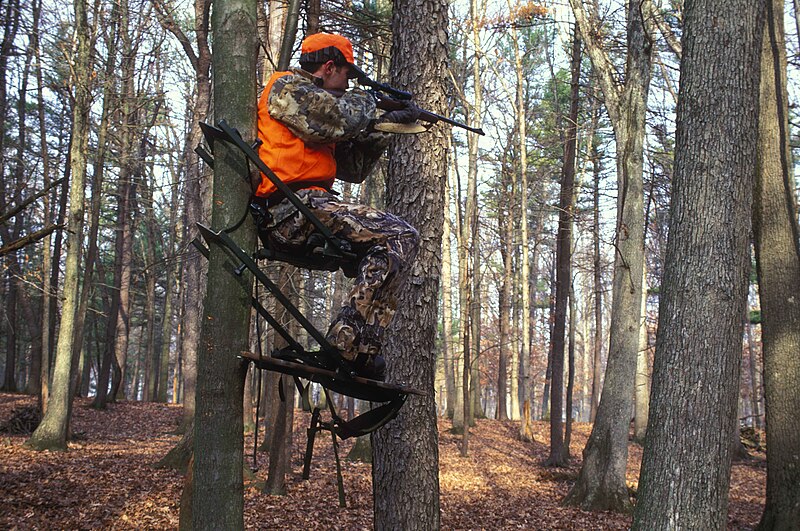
356	158
317	116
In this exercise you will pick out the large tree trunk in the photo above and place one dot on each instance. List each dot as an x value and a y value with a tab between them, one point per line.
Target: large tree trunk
686	465
217	490
405	473
778	260
601	482
53	429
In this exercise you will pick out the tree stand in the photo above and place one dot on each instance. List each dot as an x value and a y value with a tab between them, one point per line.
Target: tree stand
323	251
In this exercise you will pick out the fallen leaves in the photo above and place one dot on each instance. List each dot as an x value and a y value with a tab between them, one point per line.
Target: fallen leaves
106	479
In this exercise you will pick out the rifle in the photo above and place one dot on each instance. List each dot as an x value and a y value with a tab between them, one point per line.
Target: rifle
392	99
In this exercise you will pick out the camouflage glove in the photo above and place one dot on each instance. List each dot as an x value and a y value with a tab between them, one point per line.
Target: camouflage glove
407	115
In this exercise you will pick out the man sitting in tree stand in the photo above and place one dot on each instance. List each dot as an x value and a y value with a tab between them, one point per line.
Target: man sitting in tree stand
313	131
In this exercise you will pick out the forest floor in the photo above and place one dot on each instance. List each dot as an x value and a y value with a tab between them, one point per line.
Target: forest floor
106	480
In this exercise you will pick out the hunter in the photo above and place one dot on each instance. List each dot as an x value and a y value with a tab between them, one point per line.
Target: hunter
314	131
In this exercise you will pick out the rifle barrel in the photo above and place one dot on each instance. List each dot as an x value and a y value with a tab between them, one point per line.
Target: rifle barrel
433	117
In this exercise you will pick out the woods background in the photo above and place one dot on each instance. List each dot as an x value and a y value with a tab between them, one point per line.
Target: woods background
145	189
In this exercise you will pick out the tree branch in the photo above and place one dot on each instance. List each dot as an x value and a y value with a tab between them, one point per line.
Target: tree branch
29	239
589	28
653	16
166	20
19	208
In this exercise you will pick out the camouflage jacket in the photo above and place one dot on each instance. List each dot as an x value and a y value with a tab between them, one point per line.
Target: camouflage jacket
320	117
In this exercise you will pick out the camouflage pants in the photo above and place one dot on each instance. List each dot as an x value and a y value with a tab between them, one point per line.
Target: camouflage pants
385	245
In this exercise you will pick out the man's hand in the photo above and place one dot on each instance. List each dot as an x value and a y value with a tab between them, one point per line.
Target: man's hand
406	115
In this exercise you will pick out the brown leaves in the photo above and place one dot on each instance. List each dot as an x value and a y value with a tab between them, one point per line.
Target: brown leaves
106	480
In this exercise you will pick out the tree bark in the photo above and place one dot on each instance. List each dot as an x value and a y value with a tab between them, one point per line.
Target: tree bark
217	496
405	473
778	262
686	464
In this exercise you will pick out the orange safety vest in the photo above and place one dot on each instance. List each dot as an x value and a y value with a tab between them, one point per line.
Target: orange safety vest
292	160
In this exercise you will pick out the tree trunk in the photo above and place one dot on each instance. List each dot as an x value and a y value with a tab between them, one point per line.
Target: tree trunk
778	260
597	340
51	434
642	379
570	372
34	385
124	259
405	473
686	464
525	380
601	482
475	113
448	350
122	283
11	324
152	364
755	390
281	441
217	496
169	289
505	212
558	451
281	412
97	184
194	210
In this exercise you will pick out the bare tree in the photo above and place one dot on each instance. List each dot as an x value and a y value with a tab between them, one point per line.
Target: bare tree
559	452
51	434
601	482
